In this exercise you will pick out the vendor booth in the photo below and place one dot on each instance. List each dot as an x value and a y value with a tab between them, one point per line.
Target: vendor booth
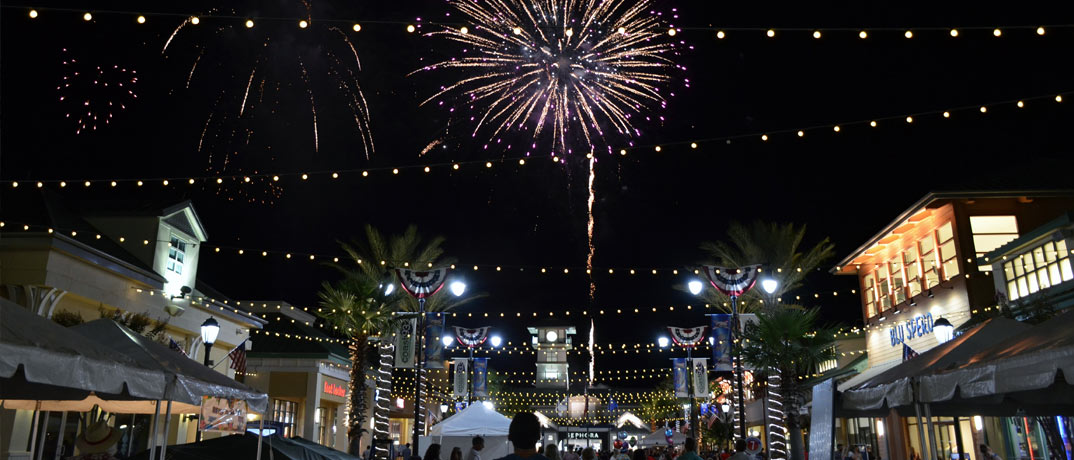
458	430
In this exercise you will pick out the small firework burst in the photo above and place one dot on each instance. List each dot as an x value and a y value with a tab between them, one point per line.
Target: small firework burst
91	95
569	71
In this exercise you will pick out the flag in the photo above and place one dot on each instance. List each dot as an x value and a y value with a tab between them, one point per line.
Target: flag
680	375
175	346
701	378
238	358
721	342
907	352
481	373
434	347
404	343
459	389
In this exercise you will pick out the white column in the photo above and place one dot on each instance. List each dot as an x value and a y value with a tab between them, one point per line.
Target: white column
313	400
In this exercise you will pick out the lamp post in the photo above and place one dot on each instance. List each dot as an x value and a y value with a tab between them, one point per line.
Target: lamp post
733	282
473	338
209	330
688	338
421	285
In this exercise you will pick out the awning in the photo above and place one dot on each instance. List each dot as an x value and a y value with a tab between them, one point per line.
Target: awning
867	374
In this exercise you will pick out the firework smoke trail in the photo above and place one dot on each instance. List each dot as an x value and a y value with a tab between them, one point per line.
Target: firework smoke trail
589	226
566	67
313	107
246	93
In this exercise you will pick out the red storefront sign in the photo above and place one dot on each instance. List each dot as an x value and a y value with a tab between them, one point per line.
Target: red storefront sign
335	390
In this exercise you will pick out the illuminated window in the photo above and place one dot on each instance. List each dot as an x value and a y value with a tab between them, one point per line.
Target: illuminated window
1039	268
913	275
829	364
176	255
898	285
396	429
945	239
929	266
325	419
869	291
991	232
885	289
284	413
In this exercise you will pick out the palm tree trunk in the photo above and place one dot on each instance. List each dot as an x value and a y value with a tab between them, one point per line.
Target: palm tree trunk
381	427
357	401
794	429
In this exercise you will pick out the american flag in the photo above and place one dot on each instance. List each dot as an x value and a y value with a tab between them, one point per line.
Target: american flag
175	346
238	358
907	352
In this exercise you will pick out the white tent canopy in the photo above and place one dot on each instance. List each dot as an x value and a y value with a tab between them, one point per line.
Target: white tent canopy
58	364
1023	368
894	387
459	430
476	420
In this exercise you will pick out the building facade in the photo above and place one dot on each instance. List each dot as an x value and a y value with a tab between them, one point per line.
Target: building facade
88	262
927	264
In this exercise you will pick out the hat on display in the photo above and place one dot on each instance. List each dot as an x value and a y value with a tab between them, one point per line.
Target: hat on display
97	438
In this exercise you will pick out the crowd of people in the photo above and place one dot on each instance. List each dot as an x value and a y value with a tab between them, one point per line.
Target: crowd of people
525	434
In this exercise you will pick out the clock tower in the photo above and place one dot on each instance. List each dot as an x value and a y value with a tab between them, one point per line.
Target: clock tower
551	344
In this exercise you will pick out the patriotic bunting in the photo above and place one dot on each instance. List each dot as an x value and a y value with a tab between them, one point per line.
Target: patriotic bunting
471	337
424	283
733	282
687	336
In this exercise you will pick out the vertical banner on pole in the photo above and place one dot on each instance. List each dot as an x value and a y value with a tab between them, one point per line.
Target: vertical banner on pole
461	373
701	377
721	342
481	372
434	347
822	421
404	343
680	374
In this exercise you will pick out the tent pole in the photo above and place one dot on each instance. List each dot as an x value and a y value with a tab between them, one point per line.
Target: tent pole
33	431
932	431
260	434
921	431
153	429
59	437
130	436
167	423
44	432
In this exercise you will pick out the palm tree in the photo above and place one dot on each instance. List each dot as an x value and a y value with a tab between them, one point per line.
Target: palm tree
790	344
368	274
355	310
779	248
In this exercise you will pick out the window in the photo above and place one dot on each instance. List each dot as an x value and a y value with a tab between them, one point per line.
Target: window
1040	268
929	266
991	232
396	430
885	289
898	286
176	255
869	291
326	421
945	239
910	265
284	412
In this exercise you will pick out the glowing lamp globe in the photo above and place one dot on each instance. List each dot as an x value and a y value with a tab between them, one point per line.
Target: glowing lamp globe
695	286
447	339
945	331
457	288
209	330
389	289
496	341
662	342
769	285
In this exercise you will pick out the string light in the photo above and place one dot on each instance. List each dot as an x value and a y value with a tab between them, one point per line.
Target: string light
863	35
249	23
195	20
33	14
303	24
720	34
816	34
356	27
997	32
141	19
908	34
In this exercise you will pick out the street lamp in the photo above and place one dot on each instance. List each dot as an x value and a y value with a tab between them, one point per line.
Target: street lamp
473	338
662	342
734	282
447	339
458	288
695	286
687	338
209	330
945	331
496	341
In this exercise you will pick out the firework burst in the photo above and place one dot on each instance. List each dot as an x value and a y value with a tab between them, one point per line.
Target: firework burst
263	86
91	95
570	71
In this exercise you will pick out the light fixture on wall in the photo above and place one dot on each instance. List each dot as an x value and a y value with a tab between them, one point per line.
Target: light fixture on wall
930	294
945	331
913	301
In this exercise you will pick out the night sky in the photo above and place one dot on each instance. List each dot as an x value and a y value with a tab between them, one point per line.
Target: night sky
653	209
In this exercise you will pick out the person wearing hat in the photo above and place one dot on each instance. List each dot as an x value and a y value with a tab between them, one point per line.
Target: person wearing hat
96	442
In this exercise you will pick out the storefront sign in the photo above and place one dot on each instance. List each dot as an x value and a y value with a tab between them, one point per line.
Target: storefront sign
910	329
335	390
583	435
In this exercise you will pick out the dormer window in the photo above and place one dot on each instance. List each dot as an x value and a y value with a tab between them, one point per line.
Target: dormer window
176	255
